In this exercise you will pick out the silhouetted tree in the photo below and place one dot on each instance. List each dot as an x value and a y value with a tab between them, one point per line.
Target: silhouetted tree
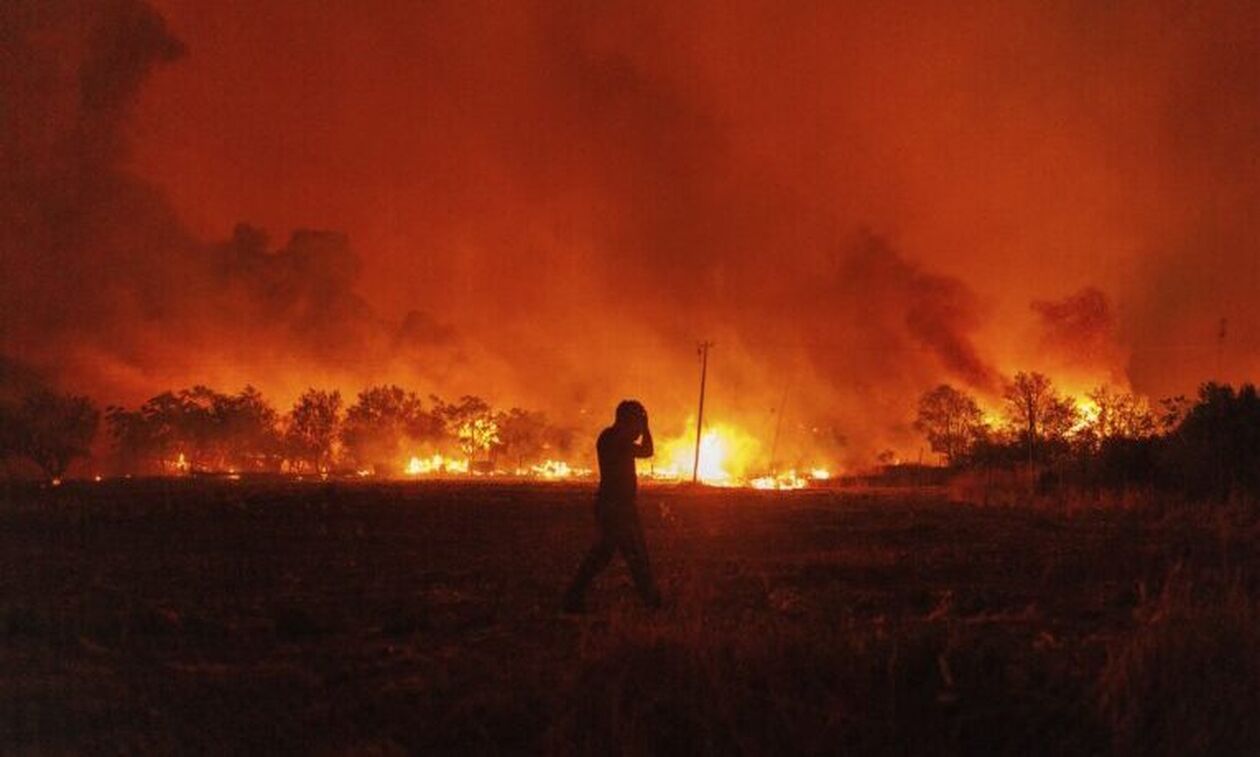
313	425
244	430
998	448
1121	415
151	437
522	435
191	416
1117	418
211	430
53	429
131	437
1037	412
1215	450
1172	411
470	422
951	421
168	429
381	420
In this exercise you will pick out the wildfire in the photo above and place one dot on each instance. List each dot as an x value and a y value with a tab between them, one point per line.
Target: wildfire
436	464
787	480
717	458
557	469
727	457
1087	414
478	435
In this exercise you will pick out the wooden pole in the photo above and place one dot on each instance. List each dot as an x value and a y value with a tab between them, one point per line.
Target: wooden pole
704	369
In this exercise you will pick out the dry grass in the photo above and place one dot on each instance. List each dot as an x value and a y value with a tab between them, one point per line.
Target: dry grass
203	616
1187	680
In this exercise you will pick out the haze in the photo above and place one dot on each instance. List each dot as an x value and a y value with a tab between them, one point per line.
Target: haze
549	204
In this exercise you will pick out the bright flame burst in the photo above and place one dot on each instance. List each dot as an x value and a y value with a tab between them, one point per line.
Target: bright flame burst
790	479
725	453
557	469
787	480
478	435
436	464
717	457
727	458
1087	414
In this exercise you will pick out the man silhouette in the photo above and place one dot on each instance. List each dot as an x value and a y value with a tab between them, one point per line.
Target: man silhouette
615	510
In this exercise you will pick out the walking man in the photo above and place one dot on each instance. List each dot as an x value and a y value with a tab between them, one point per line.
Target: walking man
615	510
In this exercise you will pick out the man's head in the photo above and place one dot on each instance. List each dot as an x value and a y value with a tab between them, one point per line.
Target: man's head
631	414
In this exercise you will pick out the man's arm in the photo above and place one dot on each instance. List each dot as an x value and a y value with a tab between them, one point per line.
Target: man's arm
644	447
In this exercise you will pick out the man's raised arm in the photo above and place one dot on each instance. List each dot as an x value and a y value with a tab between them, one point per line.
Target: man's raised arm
644	447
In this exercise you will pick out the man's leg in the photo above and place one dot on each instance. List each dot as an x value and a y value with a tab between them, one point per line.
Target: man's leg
596	560
634	550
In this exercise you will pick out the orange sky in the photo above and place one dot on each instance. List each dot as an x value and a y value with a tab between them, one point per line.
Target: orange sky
858	198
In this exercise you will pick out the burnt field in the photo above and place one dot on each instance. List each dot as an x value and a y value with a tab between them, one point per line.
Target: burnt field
420	617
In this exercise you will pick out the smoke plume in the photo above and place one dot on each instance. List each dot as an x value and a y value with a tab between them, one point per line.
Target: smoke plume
550	204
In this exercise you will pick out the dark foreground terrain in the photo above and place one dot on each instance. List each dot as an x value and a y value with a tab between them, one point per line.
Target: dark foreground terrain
202	616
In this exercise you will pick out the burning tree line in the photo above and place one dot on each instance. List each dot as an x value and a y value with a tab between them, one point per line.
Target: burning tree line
46	429
1207	447
201	430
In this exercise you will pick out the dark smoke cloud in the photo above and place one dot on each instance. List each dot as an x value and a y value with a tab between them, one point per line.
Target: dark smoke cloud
1080	328
940	312
105	286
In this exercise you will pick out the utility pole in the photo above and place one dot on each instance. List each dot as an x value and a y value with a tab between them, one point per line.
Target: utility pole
704	370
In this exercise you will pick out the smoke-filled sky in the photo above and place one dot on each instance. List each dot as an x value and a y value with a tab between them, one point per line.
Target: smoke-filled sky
549	204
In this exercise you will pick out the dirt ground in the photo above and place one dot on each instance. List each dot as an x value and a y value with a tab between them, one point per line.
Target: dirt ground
230	616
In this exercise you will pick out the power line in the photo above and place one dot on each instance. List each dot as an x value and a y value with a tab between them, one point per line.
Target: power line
778	427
